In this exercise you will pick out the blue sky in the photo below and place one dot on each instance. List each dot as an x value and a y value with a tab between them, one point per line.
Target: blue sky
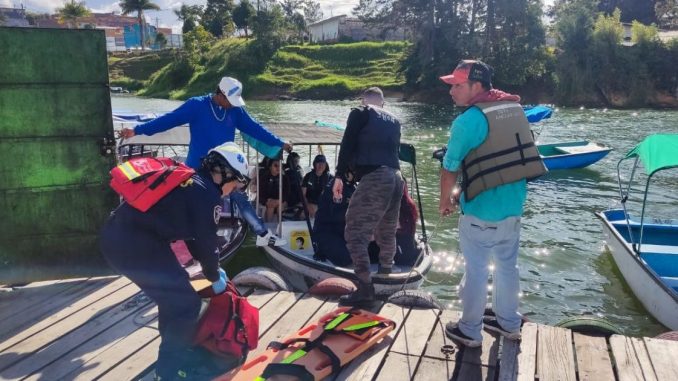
165	17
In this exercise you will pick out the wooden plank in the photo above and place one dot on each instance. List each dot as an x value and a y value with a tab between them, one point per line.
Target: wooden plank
527	359
398	367
415	332
259	298
51	306
64	313
39	350
365	366
508	363
593	359
274	309
631	359
438	338
486	354
13	303
663	355
474	372
97	355
555	356
135	364
290	321
434	369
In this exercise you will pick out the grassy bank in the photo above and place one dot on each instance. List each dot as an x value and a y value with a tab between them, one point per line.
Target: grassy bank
300	71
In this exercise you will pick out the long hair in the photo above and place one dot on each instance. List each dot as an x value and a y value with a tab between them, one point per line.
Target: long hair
408	213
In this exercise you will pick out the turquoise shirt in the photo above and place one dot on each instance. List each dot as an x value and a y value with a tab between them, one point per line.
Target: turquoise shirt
469	130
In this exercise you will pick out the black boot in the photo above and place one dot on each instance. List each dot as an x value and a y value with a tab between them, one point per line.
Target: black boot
384	270
363	296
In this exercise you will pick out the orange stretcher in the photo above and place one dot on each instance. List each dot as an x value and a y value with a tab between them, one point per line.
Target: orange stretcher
317	350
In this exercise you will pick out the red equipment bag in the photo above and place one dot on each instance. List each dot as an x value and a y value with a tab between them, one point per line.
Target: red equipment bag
143	181
229	326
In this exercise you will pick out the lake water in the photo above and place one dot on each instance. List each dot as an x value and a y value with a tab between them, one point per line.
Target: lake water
565	270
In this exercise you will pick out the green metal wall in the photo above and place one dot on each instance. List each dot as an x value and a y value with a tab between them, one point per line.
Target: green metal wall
55	109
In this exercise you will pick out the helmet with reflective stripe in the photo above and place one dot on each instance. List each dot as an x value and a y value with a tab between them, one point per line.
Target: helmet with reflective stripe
230	159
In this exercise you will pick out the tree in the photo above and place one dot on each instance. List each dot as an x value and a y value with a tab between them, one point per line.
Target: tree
639	10
71	12
312	11
666	12
161	40
138	6
217	17
190	15
242	14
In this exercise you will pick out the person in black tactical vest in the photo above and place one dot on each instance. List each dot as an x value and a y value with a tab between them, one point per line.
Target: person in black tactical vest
370	149
137	245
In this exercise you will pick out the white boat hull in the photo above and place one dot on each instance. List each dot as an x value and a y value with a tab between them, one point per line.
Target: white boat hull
659	300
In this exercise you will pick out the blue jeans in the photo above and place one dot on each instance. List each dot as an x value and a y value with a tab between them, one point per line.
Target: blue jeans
247	212
479	240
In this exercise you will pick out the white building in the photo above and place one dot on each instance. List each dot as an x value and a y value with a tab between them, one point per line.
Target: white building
342	27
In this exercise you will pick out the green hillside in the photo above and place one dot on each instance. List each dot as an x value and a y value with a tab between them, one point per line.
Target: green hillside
304	71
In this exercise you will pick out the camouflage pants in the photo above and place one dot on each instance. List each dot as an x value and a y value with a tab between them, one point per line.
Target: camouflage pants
373	210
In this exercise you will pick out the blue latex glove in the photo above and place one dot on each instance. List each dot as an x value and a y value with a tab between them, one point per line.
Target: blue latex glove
219	286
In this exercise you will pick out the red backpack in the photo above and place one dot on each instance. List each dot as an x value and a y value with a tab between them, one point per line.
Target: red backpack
143	181
229	326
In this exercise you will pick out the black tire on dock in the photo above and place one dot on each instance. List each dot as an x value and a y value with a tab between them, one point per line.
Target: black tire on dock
589	324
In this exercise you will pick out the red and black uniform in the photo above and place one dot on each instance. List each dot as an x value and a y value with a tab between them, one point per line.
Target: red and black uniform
137	245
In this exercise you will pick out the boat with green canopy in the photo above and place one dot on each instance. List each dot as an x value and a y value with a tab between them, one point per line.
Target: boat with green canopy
646	249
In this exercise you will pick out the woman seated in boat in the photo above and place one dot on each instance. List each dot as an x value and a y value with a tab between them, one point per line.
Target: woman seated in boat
269	180
294	173
314	183
330	221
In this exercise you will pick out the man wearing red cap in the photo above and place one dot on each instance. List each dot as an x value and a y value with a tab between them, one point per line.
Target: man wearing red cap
491	145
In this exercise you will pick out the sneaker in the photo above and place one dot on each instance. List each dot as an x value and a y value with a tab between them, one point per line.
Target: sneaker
270	239
454	333
492	324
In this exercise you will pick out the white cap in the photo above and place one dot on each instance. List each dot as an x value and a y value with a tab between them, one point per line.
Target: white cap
232	88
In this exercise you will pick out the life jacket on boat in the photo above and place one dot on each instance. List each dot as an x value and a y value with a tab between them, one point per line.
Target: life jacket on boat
143	181
354	323
507	155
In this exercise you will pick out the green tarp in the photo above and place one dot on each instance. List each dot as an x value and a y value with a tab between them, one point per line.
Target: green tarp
657	152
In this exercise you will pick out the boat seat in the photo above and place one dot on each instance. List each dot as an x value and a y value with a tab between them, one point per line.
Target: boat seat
665	265
671	281
658	249
591	147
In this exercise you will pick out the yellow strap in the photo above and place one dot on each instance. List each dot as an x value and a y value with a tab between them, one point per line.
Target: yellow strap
129	170
356	327
336	321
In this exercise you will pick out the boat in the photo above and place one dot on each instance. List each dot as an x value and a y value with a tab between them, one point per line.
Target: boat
645	249
298	266
571	155
232	230
565	155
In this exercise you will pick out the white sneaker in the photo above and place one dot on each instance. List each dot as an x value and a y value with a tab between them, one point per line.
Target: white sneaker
270	239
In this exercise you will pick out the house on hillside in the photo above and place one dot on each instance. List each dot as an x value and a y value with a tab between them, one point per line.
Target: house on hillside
15	17
122	32
344	28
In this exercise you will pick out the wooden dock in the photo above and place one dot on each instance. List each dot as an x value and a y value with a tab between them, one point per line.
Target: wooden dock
105	329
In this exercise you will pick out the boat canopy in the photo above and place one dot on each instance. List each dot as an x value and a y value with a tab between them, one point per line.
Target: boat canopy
537	113
657	152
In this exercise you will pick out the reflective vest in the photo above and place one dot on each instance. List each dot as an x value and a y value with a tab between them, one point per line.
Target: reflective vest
379	140
508	153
